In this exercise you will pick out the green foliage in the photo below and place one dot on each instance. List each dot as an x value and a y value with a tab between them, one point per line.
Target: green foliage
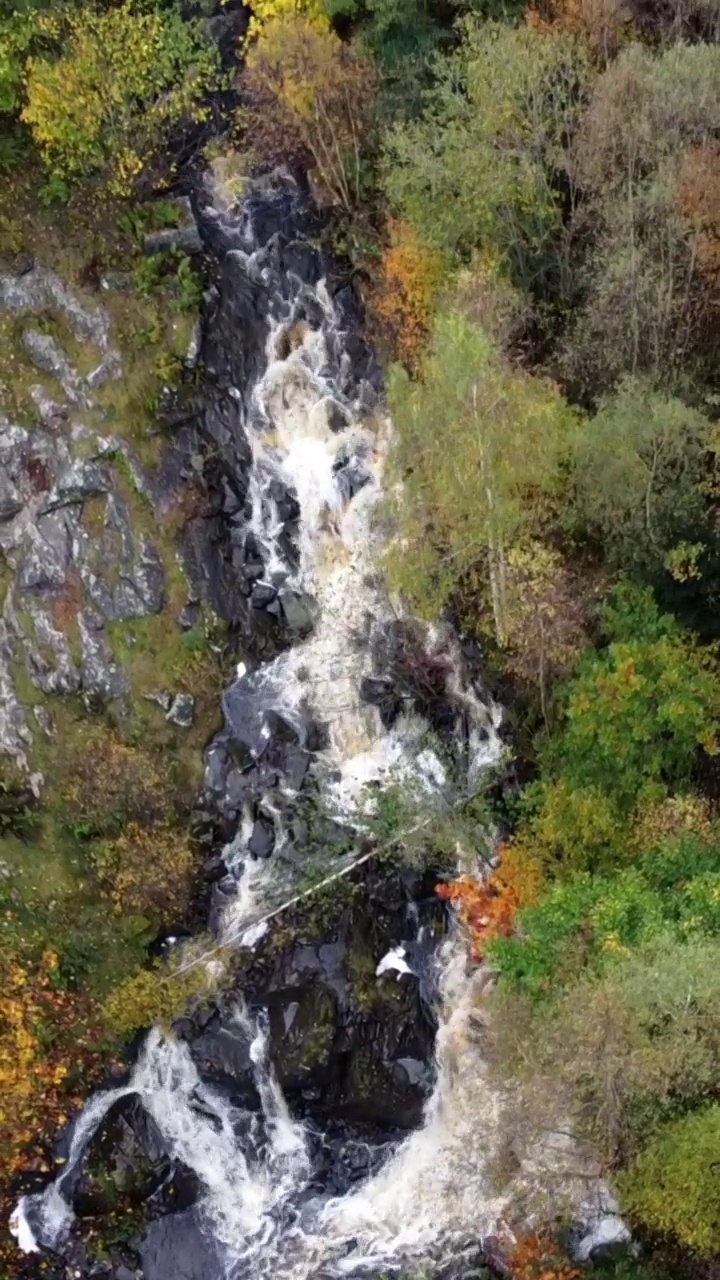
638	711
623	1051
672	891
124	77
479	452
638	469
477	171
673	1185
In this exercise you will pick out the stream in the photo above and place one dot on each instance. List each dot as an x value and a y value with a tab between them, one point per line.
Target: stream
298	435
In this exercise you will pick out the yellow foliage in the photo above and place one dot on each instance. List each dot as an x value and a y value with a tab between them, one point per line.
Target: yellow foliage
671	818
124	75
157	995
35	1023
312	93
264	11
575	828
105	784
147	871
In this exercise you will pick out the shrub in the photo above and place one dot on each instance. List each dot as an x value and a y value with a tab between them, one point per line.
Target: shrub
105	784
673	1186
638	711
152	996
147	872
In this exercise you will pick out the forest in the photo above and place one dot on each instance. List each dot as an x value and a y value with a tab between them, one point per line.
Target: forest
529	195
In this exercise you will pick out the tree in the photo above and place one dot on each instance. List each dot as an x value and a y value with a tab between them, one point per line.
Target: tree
410	279
104	105
646	307
546	617
638	711
673	1185
622	1053
603	23
637	476
478	454
481	169
317	92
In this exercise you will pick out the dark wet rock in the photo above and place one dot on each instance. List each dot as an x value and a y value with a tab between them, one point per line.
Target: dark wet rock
262	840
297	612
179	1246
182	710
262	595
190	616
173	240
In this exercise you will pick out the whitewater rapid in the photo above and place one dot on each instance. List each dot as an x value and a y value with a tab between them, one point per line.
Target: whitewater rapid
433	1197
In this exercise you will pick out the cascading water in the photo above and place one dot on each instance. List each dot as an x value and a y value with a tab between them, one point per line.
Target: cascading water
303	415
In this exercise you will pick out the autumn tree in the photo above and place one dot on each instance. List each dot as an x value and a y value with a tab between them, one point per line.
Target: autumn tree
478	454
478	171
310	92
547	615
403	301
603	23
487	904
124	76
646	309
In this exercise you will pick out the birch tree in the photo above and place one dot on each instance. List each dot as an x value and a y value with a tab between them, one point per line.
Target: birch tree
479	454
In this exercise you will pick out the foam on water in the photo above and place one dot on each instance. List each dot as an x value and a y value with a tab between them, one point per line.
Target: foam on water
254	1171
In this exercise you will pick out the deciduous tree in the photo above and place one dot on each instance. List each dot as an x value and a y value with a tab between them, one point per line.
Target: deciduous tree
479	452
302	79
124	76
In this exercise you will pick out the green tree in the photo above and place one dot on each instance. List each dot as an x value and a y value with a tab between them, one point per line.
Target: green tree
104	105
638	470
480	169
638	711
478	454
673	1186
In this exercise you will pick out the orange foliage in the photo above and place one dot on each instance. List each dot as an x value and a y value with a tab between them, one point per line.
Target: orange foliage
539	1258
411	274
488	907
602	23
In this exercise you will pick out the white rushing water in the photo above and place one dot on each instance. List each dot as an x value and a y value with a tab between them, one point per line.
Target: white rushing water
434	1194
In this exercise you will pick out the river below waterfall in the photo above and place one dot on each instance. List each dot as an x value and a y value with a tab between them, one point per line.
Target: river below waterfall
328	703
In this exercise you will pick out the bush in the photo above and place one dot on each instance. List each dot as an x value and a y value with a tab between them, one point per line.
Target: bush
152	996
105	784
147	872
638	711
673	1186
622	1053
123	79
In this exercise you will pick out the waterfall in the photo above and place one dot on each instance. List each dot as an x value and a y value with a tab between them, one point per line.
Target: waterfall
313	432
